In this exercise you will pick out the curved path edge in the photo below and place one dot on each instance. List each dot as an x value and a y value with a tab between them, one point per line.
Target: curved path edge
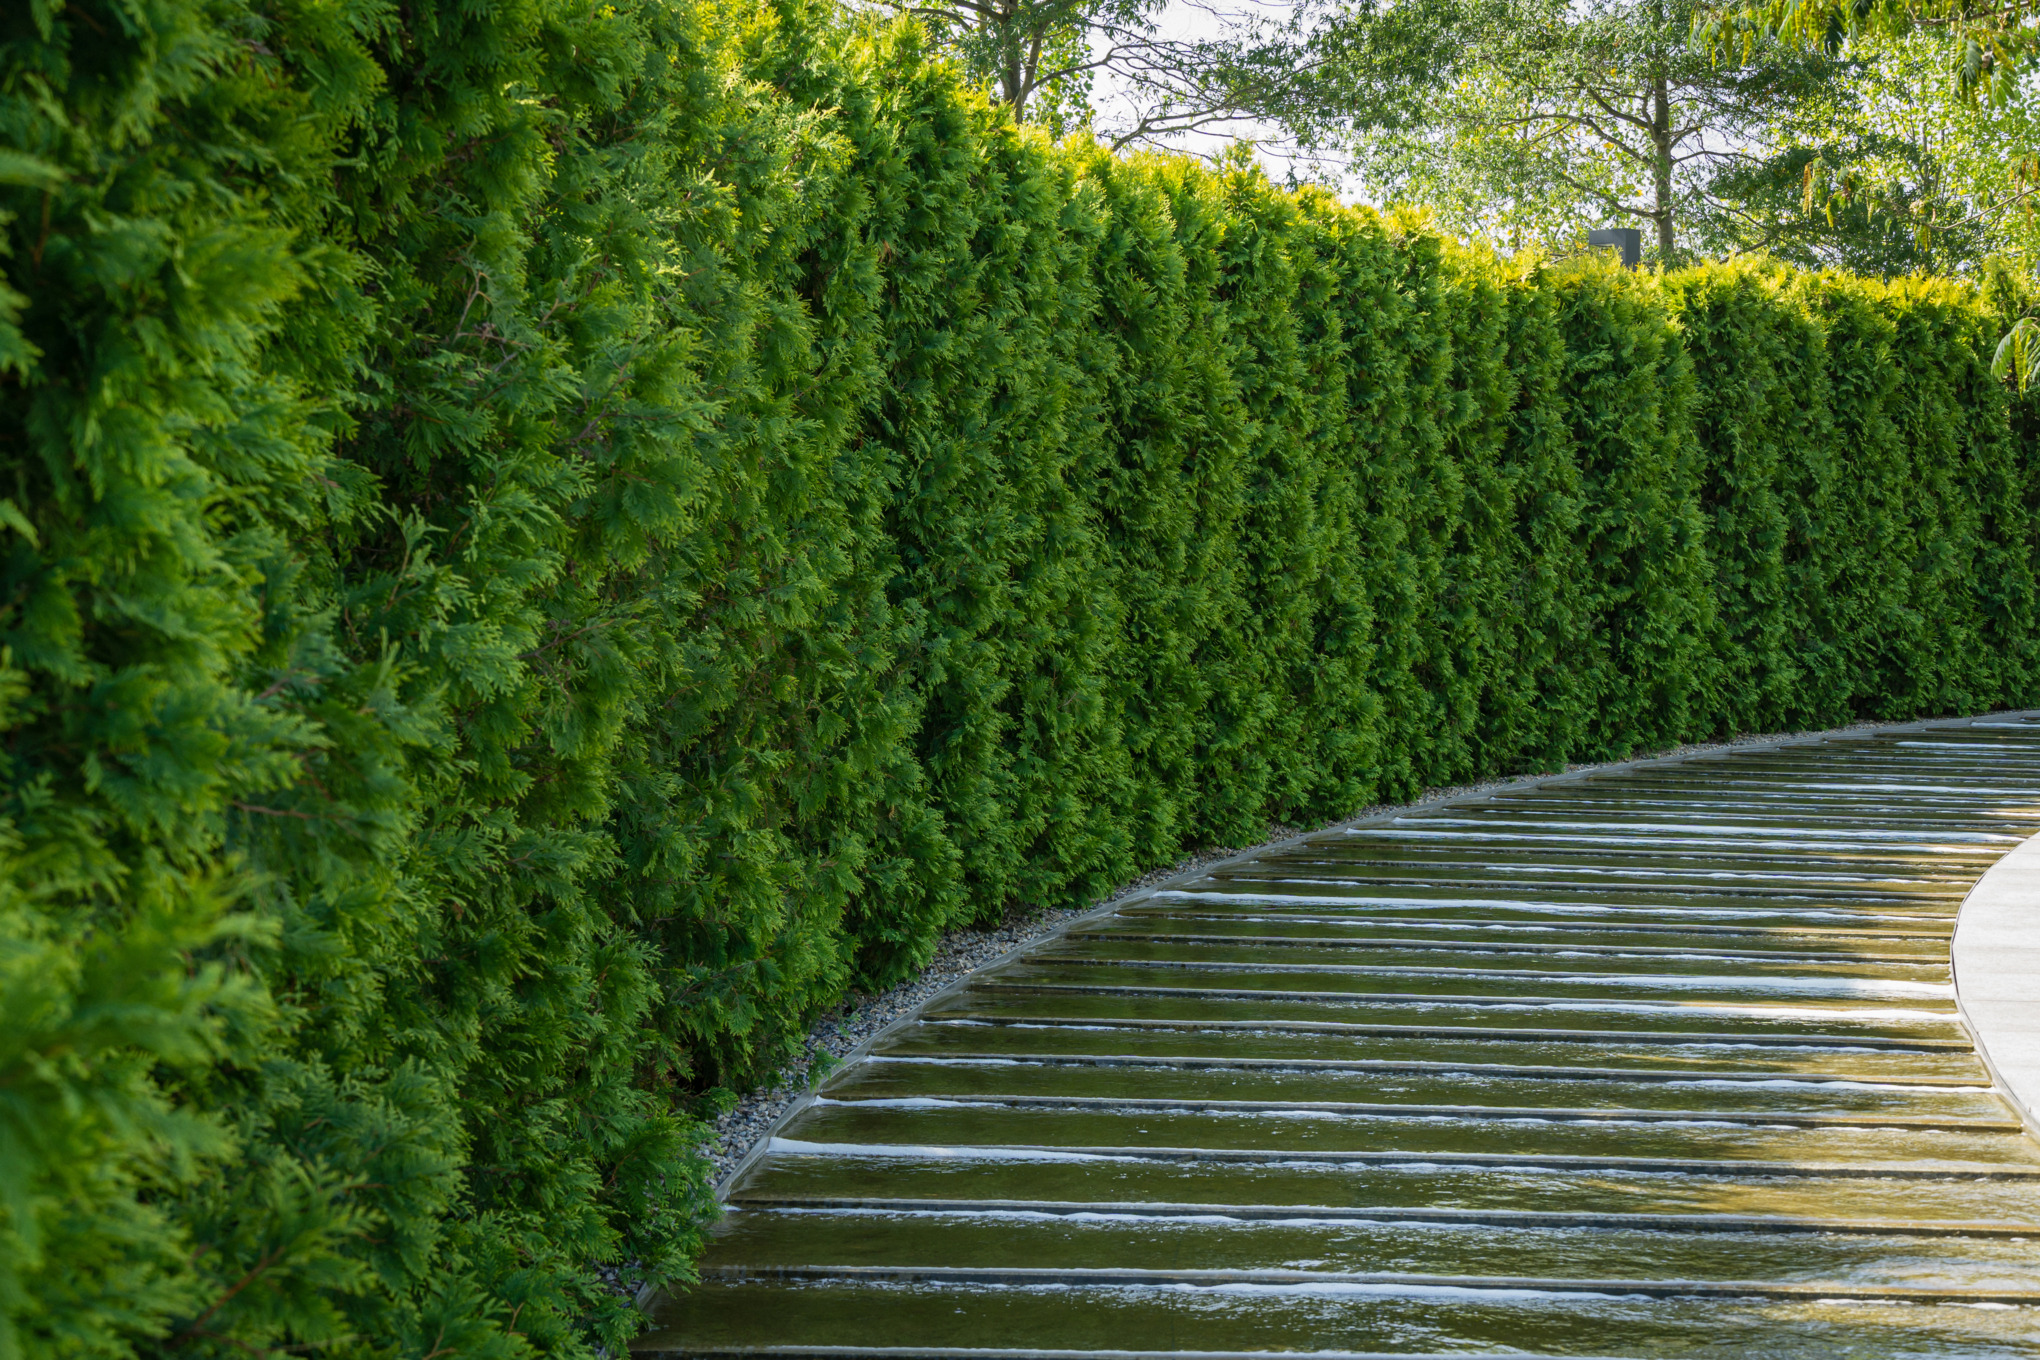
1995	958
2028	1106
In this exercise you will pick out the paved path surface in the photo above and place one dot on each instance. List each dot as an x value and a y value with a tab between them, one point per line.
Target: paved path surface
1662	1061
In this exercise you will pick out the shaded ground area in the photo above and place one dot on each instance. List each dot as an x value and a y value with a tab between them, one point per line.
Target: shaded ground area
1662	1060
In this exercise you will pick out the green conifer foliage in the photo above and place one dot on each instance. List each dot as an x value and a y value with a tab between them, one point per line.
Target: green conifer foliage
544	542
158	466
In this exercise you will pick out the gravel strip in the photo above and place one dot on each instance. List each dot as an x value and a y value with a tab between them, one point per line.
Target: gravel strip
838	1031
968	948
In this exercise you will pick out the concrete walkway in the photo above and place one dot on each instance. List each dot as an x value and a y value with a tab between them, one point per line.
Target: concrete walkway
1996	958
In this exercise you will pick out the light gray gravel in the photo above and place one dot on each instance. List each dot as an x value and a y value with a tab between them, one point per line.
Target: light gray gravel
969	948
963	950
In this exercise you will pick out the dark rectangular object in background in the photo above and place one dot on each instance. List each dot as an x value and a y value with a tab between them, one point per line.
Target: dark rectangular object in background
1626	239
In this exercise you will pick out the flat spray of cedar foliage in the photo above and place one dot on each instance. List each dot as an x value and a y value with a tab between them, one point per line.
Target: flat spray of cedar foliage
543	542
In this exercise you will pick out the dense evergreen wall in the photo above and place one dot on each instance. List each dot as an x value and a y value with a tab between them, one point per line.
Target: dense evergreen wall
544	541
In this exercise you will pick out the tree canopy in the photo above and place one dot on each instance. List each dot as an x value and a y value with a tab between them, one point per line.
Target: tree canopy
1044	59
1549	115
1720	132
1988	44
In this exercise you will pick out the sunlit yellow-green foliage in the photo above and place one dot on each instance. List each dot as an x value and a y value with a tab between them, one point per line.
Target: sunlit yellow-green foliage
1987	45
543	542
1887	168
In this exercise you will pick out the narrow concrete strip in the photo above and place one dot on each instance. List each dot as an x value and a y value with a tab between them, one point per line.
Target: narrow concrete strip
1108	1277
1358	1109
1394	1213
1996	960
1469	1032
1490	946
1505	1161
1576	1003
1518	927
1666	981
1712	1076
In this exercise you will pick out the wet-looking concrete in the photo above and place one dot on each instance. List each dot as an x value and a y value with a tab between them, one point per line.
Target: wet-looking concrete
1660	1061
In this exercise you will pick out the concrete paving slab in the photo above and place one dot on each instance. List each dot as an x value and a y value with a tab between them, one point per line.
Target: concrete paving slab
1995	956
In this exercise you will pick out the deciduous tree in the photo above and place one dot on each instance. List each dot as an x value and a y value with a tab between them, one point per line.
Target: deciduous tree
1551	115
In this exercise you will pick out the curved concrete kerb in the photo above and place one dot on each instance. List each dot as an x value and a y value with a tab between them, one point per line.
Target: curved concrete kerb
1996	959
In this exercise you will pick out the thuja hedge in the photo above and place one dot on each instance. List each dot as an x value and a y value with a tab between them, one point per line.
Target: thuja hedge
543	542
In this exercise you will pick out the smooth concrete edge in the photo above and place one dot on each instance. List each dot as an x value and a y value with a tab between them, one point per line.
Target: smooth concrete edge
1994	958
729	1180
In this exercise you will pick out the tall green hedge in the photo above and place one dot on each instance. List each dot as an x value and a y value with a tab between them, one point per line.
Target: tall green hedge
545	541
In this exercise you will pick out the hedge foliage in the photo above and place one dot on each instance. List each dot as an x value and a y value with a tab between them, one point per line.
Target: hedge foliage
544	541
